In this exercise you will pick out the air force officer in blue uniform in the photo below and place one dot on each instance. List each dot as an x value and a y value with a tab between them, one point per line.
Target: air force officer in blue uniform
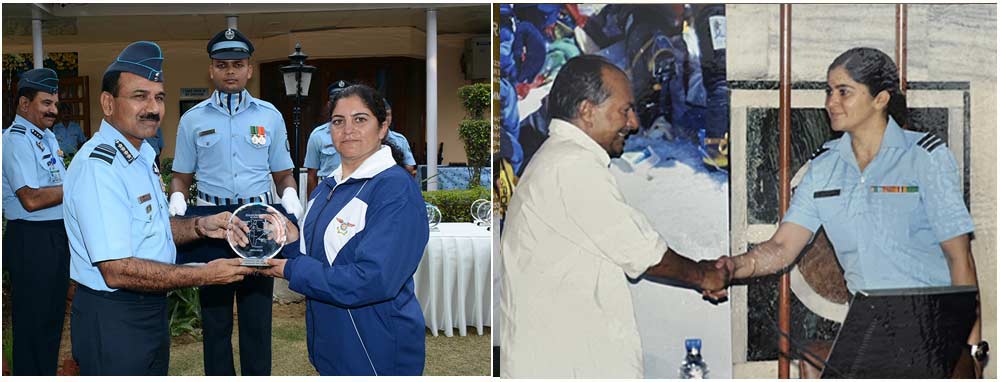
35	241
121	237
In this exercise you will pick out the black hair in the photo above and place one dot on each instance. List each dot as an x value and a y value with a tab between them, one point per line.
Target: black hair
109	83
28	93
580	79
374	102
368	95
874	69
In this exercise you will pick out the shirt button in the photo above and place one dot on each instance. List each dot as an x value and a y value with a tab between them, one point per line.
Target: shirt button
862	180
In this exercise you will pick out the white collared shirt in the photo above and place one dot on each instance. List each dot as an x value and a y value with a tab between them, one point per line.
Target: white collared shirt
568	243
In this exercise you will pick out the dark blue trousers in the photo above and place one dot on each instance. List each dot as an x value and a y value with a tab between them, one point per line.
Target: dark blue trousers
38	254
120	333
253	298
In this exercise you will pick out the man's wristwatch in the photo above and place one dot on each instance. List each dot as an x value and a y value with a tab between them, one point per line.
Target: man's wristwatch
980	351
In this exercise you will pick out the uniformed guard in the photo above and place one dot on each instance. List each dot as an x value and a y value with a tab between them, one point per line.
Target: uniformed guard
120	234
236	144
399	140
321	156
35	241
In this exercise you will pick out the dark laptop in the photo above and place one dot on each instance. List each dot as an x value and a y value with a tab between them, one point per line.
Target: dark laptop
903	333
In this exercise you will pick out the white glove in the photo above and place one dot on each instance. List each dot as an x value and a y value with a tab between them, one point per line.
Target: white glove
290	200
178	204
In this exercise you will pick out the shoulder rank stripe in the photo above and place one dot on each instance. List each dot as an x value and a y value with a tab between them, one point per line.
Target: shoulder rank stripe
102	157
106	149
930	142
819	151
37	134
18	129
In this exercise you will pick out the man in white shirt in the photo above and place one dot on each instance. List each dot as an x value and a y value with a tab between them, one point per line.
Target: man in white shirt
570	240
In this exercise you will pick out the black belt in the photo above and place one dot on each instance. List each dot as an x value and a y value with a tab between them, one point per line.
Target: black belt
263	198
124	294
58	223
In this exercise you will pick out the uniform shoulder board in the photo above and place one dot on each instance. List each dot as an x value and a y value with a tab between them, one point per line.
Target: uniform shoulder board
104	152
819	151
18	129
37	134
930	141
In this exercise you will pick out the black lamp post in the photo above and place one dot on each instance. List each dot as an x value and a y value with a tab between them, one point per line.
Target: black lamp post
297	76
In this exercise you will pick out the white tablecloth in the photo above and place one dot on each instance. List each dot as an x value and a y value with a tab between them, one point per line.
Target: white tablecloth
453	282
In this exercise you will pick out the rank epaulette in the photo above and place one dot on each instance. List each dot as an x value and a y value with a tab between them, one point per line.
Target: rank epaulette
819	152
104	152
125	152
18	129
930	141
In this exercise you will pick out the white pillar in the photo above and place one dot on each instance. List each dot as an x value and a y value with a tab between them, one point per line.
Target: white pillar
36	40
232	21
432	101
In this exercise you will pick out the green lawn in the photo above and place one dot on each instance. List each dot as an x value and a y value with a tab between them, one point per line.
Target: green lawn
468	356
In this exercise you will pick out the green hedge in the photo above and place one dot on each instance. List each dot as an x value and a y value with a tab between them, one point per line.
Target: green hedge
475	98
455	204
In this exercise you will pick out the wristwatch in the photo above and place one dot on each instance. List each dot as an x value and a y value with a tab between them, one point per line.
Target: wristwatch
980	351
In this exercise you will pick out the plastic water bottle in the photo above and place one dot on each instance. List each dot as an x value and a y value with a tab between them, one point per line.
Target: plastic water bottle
693	367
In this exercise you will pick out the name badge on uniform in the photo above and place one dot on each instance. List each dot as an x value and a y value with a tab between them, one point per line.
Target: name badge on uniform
145	198
826	193
895	189
258	135
206	132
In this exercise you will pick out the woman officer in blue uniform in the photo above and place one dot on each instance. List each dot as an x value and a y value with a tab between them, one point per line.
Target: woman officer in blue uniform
889	199
362	238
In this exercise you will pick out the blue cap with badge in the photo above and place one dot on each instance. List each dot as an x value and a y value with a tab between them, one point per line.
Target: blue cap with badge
229	44
43	79
336	87
142	58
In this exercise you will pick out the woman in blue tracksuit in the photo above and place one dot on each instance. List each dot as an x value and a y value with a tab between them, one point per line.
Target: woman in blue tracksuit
362	237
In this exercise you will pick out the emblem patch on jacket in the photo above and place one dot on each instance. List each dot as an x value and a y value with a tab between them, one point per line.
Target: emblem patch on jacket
348	222
343	227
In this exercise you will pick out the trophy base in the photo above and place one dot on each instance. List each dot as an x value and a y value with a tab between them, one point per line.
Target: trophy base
254	262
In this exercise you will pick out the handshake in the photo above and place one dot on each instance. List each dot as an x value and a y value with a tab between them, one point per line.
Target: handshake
716	276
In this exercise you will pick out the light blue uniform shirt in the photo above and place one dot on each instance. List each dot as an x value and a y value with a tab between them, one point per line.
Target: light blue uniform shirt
400	141
69	136
320	152
115	207
220	140
30	159
886	223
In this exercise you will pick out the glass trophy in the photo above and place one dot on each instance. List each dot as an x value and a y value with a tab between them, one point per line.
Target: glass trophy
433	216
265	233
481	211
485	215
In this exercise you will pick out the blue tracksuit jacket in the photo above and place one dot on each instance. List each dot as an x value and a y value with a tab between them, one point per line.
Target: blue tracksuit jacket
360	243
